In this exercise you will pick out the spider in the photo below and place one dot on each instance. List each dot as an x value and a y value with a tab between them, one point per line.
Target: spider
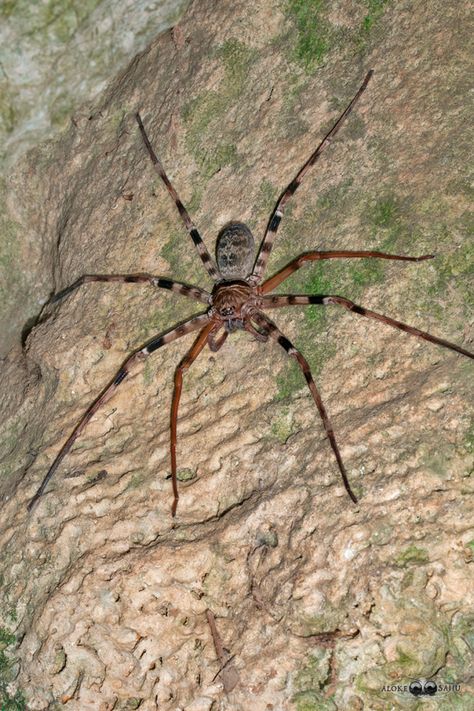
238	301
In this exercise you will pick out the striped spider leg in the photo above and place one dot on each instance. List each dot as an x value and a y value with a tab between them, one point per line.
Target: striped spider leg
188	223
271	302
277	214
127	367
274	332
193	292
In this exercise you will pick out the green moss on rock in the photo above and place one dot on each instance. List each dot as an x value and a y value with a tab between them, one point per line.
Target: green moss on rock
204	114
8	702
313	31
412	556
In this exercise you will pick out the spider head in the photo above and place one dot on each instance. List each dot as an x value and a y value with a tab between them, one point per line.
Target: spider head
235	251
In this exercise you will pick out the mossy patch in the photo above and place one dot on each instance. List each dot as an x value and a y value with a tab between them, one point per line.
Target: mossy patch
457	264
312	701
289	381
375	10
8	702
9	250
310	680
283	425
8	110
266	200
469	439
237	59
130	704
412	556
136	481
313	31
203	115
315	671
289	118
184	264
186	474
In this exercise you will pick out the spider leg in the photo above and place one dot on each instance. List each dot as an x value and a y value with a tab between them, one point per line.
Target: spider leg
273	223
271	302
258	335
297	263
188	223
214	343
184	364
136	357
275	333
194	292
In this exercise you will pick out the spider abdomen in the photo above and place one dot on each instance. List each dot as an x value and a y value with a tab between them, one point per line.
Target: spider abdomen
235	251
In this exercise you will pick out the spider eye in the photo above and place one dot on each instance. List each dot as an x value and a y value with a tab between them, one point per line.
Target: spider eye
227	311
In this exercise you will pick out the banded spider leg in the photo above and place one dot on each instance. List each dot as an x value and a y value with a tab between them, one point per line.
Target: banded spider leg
293	352
271	302
275	218
188	223
274	281
127	367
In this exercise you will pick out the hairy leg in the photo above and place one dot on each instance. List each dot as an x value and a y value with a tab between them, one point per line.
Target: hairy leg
126	368
297	263
188	223
271	302
275	333
275	219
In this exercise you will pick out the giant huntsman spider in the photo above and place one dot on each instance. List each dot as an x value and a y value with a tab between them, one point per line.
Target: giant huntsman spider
238	301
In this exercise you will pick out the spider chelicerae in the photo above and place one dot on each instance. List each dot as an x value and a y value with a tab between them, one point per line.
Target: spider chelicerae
238	300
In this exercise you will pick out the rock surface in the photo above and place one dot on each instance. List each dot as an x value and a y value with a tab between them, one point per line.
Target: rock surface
321	603
54	55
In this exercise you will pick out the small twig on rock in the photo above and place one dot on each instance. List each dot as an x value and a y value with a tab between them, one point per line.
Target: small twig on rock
227	671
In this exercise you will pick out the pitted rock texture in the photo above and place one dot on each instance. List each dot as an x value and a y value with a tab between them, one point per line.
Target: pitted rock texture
321	603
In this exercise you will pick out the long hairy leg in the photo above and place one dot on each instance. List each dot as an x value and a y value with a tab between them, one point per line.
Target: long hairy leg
184	364
277	214
126	368
194	292
293	352
188	223
271	302
297	263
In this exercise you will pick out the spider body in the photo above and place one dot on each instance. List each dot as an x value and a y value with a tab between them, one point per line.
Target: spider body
233	303
235	251
238	301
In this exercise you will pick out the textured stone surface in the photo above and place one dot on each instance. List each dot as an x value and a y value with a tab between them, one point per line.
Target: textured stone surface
54	55
321	602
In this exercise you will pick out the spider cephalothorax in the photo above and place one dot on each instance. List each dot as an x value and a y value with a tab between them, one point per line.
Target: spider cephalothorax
238	301
233	303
